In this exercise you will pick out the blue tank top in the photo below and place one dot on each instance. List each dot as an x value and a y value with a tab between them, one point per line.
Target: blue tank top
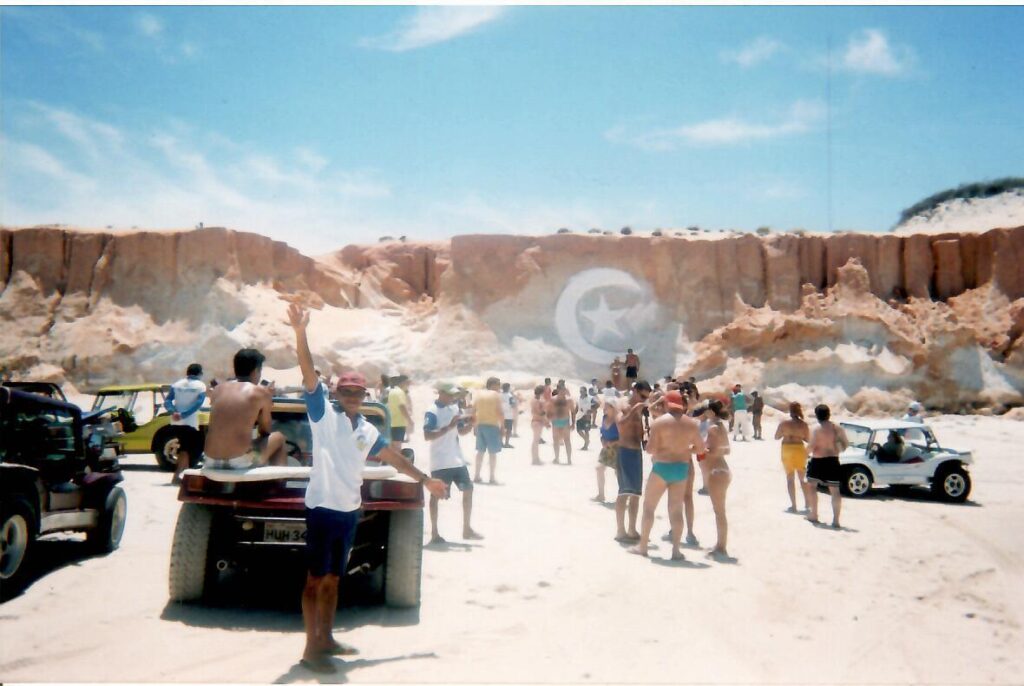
610	433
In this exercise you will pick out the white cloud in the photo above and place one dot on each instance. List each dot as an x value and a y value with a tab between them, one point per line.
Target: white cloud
188	50
869	52
51	27
431	25
761	49
801	117
149	25
77	170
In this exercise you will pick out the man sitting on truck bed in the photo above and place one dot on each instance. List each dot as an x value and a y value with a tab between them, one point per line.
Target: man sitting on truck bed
236	407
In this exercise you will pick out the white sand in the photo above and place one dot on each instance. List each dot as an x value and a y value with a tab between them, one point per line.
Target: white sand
913	591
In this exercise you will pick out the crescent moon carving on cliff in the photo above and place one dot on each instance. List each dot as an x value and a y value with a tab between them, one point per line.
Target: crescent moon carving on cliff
566	319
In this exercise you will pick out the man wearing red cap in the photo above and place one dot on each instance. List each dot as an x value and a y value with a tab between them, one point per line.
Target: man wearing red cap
341	443
674	439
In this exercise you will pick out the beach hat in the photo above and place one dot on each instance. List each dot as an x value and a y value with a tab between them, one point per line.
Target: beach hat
674	399
447	387
352	379
916	406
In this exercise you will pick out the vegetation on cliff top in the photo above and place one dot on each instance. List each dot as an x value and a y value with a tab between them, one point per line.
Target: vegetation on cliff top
981	189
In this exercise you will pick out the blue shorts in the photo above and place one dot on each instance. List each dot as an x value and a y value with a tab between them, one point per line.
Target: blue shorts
329	537
454	475
488	437
398	433
630	471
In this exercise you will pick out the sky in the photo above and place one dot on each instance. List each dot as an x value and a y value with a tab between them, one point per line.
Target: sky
324	126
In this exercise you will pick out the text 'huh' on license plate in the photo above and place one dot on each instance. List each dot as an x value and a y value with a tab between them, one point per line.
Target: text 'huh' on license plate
284	532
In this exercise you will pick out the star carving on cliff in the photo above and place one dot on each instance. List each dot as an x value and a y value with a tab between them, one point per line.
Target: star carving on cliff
604	319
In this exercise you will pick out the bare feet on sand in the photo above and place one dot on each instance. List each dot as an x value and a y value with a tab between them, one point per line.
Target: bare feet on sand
436	540
471	535
635	550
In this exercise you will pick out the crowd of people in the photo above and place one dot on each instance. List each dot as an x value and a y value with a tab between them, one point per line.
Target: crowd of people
683	433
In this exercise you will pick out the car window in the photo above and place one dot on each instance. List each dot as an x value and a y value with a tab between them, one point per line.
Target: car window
119	400
32	436
858	435
295	427
917	436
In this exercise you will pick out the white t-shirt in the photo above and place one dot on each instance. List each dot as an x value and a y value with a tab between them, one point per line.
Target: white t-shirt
186	397
445	451
339	454
506	405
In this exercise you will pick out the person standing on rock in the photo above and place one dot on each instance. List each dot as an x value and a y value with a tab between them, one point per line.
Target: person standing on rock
674	439
756	410
632	366
630	467
341	443
400	408
183	401
488	420
442	428
827	441
741	425
794	433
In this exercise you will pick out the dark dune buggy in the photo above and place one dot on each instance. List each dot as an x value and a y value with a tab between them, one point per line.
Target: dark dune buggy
241	520
58	472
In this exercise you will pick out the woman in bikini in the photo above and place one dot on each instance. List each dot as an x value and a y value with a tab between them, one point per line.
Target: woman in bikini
718	474
561	411
609	445
538	420
794	433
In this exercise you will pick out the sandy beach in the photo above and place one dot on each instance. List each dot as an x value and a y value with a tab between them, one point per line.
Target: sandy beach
910	591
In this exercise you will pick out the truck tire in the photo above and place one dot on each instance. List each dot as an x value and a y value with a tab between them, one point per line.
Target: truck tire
17	534
165	449
404	564
106	537
189	552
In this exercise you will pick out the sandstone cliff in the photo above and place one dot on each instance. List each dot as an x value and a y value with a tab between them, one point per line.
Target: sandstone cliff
854	315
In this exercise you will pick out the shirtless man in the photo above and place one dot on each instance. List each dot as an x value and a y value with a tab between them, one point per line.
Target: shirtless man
617	373
630	466
632	366
562	412
674	439
237	406
794	433
827	441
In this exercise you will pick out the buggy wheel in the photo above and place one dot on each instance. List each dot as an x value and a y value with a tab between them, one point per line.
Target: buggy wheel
404	559
106	537
189	552
17	532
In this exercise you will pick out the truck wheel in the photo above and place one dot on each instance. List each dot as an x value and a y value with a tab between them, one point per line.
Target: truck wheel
857	482
17	532
952	484
189	552
404	559
106	537
165	449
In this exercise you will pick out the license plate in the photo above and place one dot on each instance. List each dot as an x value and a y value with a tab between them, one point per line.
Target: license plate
284	532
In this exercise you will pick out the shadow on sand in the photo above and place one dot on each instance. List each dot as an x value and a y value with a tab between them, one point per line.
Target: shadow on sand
282	620
45	557
680	564
299	672
447	546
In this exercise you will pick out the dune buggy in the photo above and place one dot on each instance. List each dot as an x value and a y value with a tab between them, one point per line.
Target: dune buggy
921	460
236	520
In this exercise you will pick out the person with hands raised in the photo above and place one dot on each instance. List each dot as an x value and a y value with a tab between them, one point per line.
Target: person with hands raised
341	443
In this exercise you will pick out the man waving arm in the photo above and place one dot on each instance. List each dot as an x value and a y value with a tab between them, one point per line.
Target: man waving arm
298	318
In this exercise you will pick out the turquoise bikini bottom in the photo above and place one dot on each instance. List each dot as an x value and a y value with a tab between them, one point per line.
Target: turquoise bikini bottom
671	472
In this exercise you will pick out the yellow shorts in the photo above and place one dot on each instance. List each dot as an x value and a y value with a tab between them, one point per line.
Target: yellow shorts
794	457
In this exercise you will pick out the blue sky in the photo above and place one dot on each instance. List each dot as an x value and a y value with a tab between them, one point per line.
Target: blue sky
324	126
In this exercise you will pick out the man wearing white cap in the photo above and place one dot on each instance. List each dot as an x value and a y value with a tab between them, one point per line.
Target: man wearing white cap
443	423
914	413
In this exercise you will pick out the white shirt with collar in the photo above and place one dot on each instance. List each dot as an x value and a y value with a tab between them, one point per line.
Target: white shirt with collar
339	454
